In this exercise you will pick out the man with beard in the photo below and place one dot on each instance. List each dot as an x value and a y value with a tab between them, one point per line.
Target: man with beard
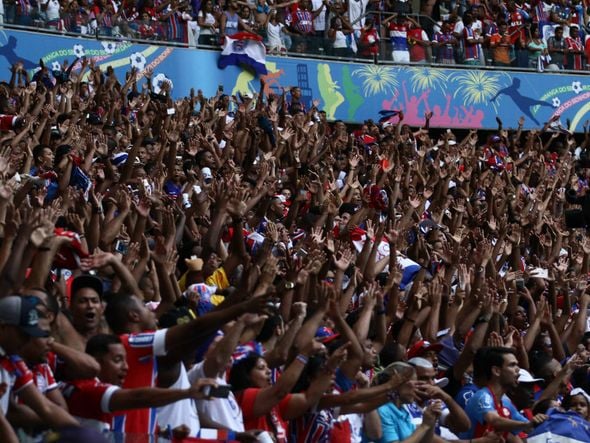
490	409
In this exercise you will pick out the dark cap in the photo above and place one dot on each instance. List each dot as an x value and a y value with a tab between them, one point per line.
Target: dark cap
349	208
22	312
87	281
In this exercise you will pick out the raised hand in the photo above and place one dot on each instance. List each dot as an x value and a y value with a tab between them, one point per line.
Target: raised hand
343	262
317	235
97	260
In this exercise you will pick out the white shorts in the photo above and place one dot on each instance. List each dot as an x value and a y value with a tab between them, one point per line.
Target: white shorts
400	56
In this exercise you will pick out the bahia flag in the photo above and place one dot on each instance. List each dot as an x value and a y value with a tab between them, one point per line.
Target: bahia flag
244	49
561	427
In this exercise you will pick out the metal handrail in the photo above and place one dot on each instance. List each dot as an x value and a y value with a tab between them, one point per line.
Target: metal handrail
98	36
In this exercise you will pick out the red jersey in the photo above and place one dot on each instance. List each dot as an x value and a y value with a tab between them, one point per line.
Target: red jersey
272	422
89	401
14	376
417	52
7	122
44	378
574	61
369	42
142	350
516	27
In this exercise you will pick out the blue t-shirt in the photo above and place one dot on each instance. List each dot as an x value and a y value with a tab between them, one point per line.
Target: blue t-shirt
465	393
480	404
395	423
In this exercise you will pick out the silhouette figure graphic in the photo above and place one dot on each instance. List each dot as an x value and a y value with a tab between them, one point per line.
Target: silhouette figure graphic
524	103
8	52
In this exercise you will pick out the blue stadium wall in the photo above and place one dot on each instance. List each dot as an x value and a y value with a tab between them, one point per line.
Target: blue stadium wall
351	92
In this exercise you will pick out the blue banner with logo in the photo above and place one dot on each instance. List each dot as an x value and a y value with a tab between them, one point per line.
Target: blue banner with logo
458	98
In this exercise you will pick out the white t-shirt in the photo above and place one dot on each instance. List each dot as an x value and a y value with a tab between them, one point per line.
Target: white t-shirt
52	9
356	10
273	34
339	40
209	19
183	412
224	411
319	23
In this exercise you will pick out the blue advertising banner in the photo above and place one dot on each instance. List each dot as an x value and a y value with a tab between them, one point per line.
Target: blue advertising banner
352	92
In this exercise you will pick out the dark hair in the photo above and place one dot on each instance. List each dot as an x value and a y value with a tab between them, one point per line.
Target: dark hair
312	369
390	353
61	152
239	376
199	157
98	345
117	310
480	364
268	328
38	151
540	361
492	356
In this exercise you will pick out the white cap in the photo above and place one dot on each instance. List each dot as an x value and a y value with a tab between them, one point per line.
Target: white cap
580	391
441	382
525	376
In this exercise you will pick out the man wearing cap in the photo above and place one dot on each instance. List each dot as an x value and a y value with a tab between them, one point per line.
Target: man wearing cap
523	395
19	321
490	409
453	418
426	350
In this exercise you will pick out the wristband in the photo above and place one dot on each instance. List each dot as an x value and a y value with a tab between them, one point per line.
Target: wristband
481	320
302	359
380	312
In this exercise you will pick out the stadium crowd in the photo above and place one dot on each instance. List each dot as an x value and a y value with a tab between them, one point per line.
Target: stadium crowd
536	35
237	264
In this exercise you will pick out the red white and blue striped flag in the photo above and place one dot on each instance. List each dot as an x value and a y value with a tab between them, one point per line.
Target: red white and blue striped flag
244	49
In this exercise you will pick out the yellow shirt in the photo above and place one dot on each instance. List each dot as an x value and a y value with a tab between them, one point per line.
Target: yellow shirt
219	279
